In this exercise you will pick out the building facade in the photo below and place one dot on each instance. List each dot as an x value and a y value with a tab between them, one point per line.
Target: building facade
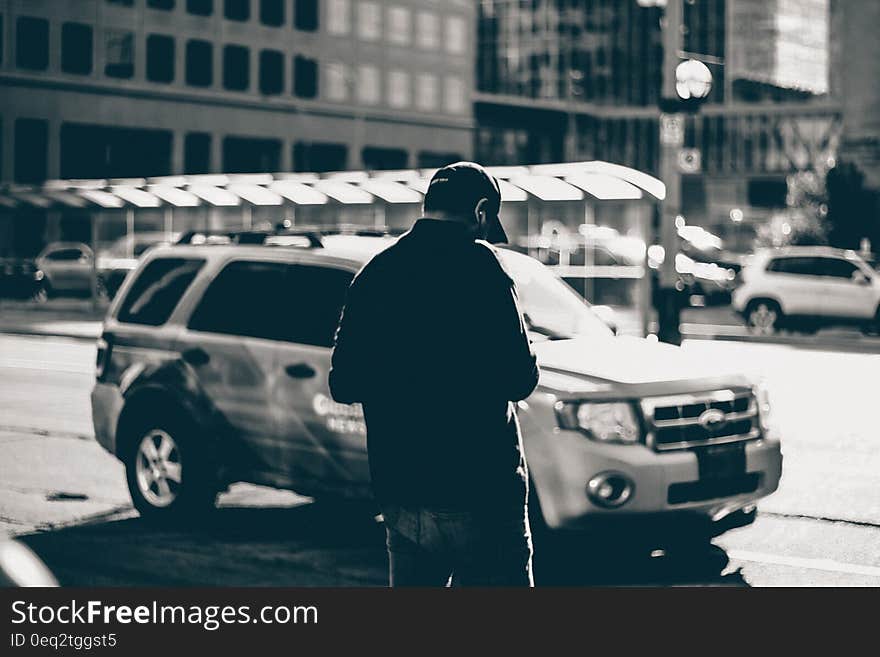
134	88
581	79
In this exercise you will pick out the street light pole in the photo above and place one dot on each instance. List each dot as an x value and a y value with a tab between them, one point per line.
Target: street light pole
671	141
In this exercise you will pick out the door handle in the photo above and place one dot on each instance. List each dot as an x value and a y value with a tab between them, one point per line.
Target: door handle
196	356
300	371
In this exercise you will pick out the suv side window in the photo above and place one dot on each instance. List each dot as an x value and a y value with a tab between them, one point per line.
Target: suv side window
802	266
157	290
316	296
838	268
65	254
246	298
274	301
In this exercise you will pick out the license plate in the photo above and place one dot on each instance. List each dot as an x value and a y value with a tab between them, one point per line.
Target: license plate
721	461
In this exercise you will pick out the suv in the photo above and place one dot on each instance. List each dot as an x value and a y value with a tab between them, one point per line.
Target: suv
212	369
806	288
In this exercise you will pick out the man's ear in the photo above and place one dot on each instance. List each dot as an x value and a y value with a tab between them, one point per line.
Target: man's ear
480	211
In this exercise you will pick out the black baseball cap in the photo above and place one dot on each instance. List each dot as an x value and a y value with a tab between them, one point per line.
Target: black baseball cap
458	187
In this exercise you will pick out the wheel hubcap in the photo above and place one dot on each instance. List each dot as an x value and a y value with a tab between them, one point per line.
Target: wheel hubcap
763	319
158	468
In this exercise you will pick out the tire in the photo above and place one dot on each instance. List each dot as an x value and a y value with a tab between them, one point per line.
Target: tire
872	328
763	316
170	476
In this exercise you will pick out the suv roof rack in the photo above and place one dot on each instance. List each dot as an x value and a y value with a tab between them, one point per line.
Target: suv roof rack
313	235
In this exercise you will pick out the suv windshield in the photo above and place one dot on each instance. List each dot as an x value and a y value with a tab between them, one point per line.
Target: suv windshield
551	308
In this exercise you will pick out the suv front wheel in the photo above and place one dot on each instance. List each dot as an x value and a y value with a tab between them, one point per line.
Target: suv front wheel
168	478
763	316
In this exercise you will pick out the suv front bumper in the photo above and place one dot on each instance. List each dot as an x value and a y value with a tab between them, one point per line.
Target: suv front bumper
566	461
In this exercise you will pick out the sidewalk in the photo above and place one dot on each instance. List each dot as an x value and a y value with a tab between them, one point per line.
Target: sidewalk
68	318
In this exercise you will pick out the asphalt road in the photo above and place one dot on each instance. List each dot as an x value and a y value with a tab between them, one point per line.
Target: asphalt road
66	498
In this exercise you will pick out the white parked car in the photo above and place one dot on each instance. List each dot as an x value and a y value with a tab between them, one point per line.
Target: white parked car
807	287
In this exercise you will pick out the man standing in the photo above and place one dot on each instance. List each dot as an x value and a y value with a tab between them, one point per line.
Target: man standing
433	344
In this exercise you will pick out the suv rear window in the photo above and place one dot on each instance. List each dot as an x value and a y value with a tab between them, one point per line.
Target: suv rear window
157	290
274	301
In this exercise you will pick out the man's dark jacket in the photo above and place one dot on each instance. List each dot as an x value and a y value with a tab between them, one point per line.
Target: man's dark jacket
432	343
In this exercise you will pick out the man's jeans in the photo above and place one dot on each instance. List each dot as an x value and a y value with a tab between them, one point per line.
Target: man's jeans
429	547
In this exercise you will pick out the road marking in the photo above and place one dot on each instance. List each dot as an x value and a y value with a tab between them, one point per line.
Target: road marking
801	562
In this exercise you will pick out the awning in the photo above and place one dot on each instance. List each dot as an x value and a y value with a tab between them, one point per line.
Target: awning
298	193
216	196
30	198
605	188
101	198
508	172
136	197
391	191
547	188
347	176
255	194
509	193
649	183
343	192
399	175
175	196
69	199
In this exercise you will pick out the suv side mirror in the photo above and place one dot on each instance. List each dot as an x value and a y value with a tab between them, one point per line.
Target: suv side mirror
860	278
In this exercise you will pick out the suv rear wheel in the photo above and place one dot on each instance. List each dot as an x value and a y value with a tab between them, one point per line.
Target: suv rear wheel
763	316
168	477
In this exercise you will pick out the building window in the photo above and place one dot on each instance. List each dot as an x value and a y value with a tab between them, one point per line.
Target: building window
369	18
377	158
305	15
368	87
236	68
453	95
272	12
398	26
426	92
432	160
167	5
427	30
199	63
237	10
319	157
197	153
338	21
100	151
31	147
305	77
124	3
76	48
456	35
200	7
32	43
118	54
160	58
251	155
336	81
271	72
398	89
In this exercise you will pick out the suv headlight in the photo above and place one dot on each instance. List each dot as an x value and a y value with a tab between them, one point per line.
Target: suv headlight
607	422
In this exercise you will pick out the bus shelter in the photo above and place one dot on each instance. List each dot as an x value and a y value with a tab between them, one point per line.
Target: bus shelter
589	221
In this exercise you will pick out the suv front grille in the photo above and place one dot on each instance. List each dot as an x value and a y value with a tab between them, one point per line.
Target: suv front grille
683	421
